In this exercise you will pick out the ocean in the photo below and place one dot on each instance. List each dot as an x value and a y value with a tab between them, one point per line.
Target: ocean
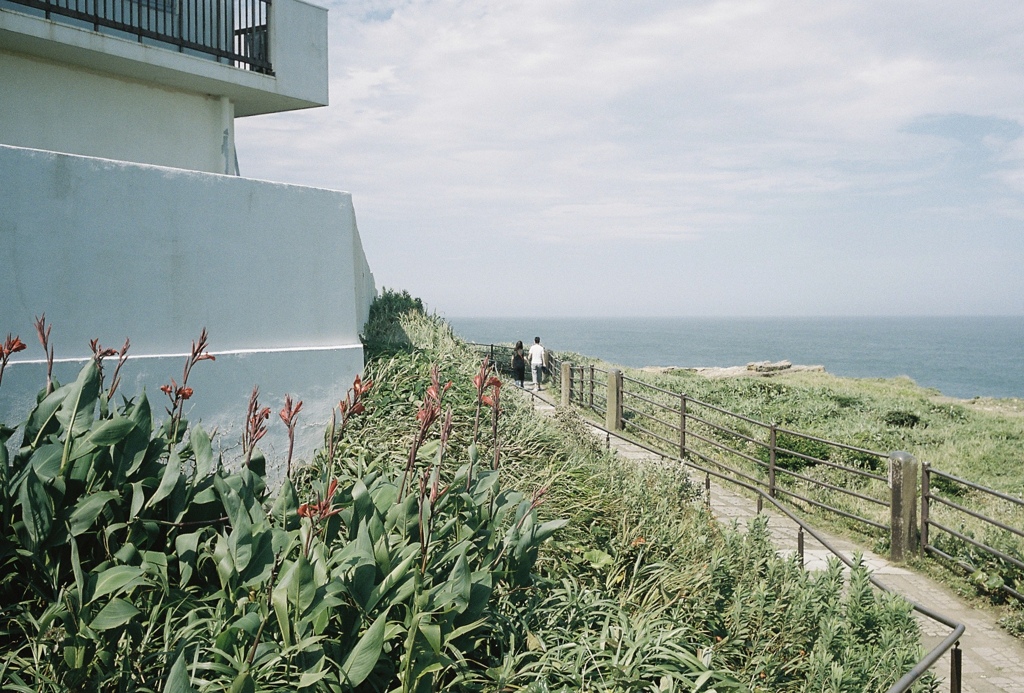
961	357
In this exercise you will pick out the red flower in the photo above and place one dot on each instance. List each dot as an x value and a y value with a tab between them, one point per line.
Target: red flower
360	388
166	389
184	392
11	346
290	411
322	508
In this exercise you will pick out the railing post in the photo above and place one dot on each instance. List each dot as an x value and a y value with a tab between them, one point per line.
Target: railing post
956	667
800	544
926	490
771	460
566	375
613	417
590	403
682	425
903	520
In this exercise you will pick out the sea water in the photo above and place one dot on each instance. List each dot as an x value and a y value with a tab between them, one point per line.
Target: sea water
959	356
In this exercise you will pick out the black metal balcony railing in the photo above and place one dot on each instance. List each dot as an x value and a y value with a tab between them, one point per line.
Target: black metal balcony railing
231	31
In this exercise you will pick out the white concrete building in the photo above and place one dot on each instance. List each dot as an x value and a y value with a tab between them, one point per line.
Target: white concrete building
122	213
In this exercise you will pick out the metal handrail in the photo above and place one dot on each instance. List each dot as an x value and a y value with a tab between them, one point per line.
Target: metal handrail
927	662
689	416
928	497
236	31
949	644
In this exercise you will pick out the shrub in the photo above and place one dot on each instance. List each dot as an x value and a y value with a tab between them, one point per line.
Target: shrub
901	418
383	333
788	451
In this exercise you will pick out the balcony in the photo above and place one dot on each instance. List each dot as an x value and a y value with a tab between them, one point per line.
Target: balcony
235	32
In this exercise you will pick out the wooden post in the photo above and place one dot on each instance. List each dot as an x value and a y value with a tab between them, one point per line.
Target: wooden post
566	383
771	460
613	416
903	515
590	402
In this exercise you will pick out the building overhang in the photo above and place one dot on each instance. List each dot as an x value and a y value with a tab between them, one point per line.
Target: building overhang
298	46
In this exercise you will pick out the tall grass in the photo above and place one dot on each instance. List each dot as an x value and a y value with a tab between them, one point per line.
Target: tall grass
643	586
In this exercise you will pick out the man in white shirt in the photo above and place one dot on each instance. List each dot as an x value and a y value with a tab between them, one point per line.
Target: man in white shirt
537	363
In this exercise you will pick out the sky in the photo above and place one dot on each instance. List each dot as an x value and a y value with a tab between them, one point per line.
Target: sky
678	158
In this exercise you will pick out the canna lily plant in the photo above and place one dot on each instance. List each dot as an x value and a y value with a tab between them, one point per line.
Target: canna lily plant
132	559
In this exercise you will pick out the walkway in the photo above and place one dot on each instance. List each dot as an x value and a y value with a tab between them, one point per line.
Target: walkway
993	660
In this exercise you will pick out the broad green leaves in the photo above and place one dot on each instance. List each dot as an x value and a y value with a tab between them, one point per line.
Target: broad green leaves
156	567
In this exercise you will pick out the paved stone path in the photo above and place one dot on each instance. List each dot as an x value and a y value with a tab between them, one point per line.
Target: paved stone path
993	660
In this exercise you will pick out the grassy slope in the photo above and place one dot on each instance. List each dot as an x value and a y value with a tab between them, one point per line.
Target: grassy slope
980	439
643	584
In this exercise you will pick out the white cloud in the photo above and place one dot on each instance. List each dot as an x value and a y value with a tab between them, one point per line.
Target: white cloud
487	125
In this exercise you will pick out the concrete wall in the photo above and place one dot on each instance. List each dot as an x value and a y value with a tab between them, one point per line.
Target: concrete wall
110	250
46	105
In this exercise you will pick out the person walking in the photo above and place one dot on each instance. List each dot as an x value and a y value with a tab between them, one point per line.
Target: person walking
537	359
519	364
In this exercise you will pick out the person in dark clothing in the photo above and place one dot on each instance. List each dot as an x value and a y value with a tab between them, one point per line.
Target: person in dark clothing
518	364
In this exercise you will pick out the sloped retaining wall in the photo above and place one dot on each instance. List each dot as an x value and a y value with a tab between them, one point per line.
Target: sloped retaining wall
109	250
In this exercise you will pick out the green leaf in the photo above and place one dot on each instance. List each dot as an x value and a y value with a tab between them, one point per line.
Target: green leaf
36	508
87	510
261	561
240	540
203	449
186	547
44	412
177	678
363	658
76	411
279	600
455	592
432	633
111	431
308	678
120	578
286	506
115	614
389	581
549	528
243	683
170	478
598	558
76	570
138	499
46	460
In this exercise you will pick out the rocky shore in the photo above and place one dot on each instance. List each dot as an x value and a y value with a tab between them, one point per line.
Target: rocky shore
761	368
